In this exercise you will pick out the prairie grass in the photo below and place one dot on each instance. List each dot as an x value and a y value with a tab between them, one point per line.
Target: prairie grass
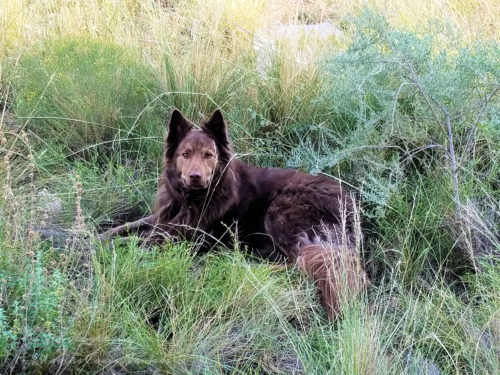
85	91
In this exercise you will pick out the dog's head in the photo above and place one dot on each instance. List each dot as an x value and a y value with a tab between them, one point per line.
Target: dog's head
196	156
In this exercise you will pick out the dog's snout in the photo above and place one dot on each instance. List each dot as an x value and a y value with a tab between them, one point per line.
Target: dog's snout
195	176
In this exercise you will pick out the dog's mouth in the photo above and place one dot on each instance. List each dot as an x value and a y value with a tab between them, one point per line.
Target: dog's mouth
195	185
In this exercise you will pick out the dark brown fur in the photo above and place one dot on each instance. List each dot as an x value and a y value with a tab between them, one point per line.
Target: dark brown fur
282	214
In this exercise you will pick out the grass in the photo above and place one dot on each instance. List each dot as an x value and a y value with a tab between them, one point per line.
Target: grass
77	104
85	90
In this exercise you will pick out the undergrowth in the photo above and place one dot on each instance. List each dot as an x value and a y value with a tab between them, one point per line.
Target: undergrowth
403	110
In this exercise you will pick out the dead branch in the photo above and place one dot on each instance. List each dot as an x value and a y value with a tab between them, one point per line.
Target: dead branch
453	160
471	139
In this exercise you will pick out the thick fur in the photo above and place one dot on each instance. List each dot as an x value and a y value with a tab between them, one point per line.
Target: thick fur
282	214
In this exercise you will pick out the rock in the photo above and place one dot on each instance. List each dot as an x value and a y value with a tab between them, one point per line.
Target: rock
9	121
55	235
486	340
50	203
265	40
287	363
420	365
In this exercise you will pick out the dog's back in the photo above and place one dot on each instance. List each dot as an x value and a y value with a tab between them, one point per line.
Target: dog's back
310	221
287	207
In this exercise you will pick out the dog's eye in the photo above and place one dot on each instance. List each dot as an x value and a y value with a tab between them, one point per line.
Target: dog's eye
186	154
209	155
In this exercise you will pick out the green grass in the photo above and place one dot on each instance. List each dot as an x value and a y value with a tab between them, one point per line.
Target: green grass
178	313
84	103
88	95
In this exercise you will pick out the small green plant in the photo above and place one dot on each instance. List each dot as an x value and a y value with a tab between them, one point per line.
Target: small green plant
8	340
35	326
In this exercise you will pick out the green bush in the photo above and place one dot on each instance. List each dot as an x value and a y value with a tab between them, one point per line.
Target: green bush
390	93
34	323
87	94
384	92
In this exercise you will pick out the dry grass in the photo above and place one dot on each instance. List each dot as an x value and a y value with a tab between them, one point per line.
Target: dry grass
152	24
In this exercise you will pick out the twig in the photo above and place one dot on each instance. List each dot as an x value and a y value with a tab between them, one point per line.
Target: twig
395	105
472	135
422	91
453	160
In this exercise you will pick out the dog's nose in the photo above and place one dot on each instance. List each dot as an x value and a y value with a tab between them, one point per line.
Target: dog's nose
195	176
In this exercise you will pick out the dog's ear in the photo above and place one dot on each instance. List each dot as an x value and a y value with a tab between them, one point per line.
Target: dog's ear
217	127
178	127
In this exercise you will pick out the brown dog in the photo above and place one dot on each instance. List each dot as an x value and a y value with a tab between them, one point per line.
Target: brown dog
282	214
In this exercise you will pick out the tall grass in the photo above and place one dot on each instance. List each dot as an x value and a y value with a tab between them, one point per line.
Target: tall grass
79	91
85	90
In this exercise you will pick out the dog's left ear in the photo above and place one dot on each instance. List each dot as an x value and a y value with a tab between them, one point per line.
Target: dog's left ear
178	127
217	127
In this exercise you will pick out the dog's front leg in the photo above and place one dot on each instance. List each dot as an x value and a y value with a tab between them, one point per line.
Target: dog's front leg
146	224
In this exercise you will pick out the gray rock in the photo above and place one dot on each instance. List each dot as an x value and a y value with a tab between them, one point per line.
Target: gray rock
420	365
266	39
50	203
486	340
56	236
287	363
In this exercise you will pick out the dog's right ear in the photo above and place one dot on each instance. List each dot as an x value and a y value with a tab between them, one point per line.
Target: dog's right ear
178	127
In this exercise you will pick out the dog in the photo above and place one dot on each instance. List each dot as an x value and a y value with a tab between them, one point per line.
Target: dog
282	214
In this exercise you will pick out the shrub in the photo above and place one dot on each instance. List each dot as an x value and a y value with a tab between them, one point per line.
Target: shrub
87	94
393	94
34	325
385	91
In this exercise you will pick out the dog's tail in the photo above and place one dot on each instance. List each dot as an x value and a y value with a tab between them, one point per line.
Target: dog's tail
337	271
